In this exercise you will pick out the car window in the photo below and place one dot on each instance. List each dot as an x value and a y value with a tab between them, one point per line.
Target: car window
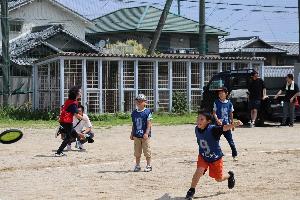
239	82
216	83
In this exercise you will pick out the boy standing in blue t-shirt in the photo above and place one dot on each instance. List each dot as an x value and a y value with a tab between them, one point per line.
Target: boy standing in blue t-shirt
141	132
223	114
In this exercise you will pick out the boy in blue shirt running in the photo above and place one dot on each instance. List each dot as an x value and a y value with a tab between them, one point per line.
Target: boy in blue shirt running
141	132
210	154
223	114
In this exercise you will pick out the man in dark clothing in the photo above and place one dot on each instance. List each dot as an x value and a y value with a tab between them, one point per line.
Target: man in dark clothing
291	90
257	93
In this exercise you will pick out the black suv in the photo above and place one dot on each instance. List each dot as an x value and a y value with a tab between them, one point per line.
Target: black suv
236	81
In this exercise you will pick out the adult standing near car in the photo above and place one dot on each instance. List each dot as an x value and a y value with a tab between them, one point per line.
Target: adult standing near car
291	90
257	93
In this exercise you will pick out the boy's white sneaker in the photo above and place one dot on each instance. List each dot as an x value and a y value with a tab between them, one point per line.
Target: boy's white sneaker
235	159
69	147
59	154
137	168
78	145
148	168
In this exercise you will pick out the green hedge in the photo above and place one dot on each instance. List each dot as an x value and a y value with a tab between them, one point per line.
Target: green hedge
26	113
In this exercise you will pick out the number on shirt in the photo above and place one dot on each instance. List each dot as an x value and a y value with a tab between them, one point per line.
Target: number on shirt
139	123
204	145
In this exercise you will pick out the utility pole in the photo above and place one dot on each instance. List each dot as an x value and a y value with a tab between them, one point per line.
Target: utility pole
202	35
159	27
179	7
5	52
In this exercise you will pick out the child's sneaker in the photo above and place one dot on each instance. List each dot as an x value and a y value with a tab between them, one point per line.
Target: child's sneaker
69	147
231	180
235	158
148	168
78	145
137	168
190	194
59	154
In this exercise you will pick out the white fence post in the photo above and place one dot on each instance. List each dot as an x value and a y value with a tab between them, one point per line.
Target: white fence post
49	82
156	94
62	80
189	83
84	84
100	86
220	66
136	77
121	86
170	80
262	70
202	74
35	86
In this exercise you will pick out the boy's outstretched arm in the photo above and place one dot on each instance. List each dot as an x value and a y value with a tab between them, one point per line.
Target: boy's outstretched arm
231	126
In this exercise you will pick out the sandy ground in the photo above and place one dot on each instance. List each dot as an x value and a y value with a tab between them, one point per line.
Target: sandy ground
268	166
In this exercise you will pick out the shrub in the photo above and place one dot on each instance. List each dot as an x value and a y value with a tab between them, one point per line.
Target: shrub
25	112
179	103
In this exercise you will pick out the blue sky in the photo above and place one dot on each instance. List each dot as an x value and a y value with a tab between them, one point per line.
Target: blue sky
272	20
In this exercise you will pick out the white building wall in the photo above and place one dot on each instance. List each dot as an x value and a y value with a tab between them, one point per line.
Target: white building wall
40	13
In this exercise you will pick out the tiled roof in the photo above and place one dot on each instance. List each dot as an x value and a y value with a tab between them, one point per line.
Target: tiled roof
160	56
24	61
241	44
292	48
145	18
12	4
26	42
262	50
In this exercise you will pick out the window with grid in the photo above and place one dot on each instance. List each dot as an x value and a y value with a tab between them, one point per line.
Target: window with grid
15	25
128	74
226	67
54	84
110	82
93	100
195	76
210	69
73	74
163	75
145	81
179	76
92	74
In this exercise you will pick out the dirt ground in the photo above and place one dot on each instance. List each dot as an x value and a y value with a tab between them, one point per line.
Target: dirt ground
268	166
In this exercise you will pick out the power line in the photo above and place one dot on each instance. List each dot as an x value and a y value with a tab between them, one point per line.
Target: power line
267	22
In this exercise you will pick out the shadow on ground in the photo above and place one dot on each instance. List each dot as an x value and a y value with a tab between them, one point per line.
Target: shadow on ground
45	156
168	197
73	150
117	172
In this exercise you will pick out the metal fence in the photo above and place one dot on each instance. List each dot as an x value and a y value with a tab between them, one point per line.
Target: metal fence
110	84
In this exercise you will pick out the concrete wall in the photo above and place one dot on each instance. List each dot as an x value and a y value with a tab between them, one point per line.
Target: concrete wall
40	13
